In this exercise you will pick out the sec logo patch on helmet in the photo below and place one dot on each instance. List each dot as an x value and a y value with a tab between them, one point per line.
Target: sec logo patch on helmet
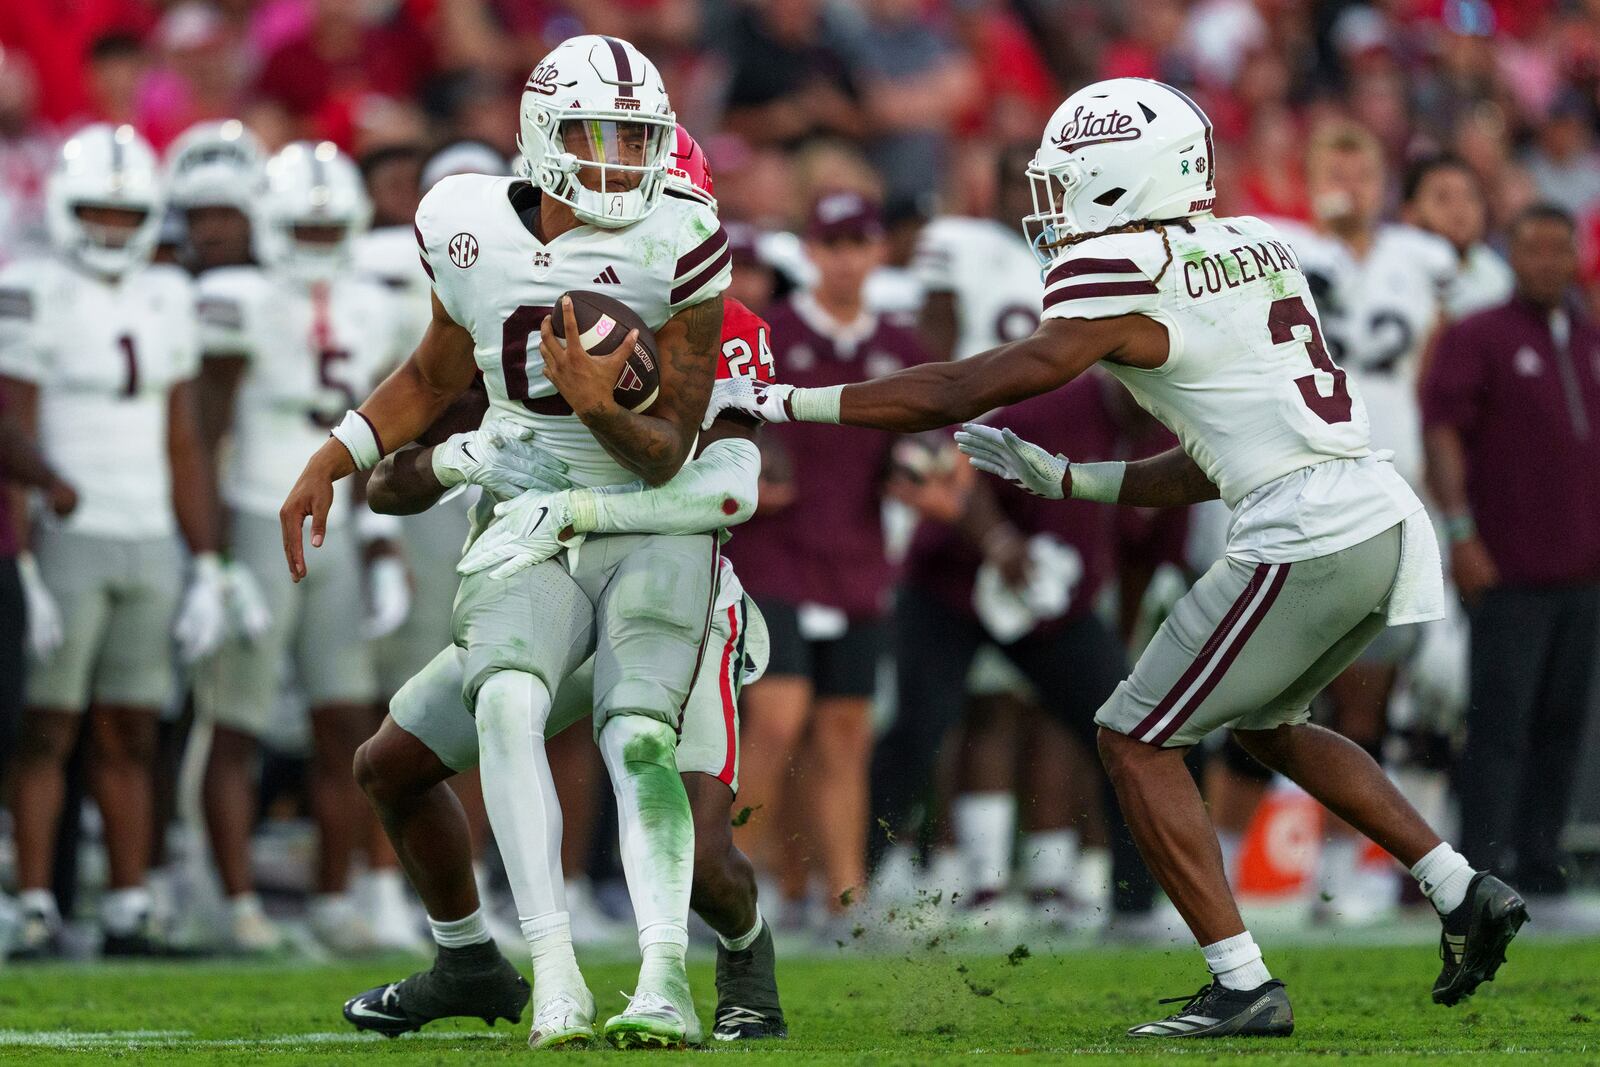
463	250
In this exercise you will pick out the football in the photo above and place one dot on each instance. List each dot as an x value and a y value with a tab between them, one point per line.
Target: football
603	322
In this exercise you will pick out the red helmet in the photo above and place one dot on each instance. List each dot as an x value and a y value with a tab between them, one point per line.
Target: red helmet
689	171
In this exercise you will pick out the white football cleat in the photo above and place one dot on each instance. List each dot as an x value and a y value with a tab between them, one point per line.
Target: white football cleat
564	1019
251	931
396	922
657	1018
339	924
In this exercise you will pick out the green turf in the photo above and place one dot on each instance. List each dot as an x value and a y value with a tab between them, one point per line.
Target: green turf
1369	1003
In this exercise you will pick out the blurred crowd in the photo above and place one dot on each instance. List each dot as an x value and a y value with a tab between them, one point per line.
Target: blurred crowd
940	642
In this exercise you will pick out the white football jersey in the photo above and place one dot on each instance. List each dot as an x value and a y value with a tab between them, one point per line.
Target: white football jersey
1484	281
1248	387
499	281
990	271
105	357
312	353
387	255
1378	313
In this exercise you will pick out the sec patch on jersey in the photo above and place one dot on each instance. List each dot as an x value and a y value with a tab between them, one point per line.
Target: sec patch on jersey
603	322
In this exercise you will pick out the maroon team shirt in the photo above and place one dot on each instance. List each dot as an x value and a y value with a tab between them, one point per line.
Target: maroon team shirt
827	547
1076	421
1529	420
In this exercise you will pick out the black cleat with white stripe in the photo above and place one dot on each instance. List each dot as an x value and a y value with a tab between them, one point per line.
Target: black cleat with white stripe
487	987
747	993
1473	942
1216	1011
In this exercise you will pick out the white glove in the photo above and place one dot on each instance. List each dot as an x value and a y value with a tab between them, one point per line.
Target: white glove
248	613
45	629
501	457
202	620
766	401
526	531
388	596
1005	455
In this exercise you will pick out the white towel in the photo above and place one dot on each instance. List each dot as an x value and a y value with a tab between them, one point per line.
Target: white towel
1008	614
1418	593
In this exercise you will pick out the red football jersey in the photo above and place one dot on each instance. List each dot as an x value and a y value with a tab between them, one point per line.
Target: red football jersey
746	344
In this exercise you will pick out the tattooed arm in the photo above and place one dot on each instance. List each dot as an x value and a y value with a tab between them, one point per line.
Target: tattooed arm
1170	479
653	445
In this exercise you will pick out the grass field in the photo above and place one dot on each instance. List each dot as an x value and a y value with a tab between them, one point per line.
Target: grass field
1350	1002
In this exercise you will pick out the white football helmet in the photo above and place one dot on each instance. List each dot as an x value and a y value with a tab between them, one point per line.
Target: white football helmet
105	166
1118	151
215	164
597	104
310	187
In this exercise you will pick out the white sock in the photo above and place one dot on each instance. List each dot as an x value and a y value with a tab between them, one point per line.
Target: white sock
1444	875
245	904
1236	962
744	940
555	968
1336	867
459	933
122	910
656	834
520	797
41	901
1049	860
1232	844
985	829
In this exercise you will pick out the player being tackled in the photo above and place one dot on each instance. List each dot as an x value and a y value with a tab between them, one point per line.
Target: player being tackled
1211	325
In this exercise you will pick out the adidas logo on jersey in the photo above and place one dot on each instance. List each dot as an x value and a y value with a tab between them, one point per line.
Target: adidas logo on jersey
608	277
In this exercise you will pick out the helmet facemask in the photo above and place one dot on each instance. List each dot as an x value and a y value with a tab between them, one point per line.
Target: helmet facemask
609	170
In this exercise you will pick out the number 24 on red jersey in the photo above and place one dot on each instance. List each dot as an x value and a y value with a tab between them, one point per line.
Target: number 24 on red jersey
746	344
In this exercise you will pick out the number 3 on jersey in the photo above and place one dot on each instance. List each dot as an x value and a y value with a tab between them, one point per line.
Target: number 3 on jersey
1282	318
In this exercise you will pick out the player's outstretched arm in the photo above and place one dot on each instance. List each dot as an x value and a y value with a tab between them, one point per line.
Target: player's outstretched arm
404	405
1170	479
653	446
931	395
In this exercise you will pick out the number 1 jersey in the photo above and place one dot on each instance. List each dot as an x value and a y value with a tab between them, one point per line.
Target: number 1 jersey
500	282
1248	387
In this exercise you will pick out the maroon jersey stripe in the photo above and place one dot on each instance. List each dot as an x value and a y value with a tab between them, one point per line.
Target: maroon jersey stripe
687	289
1074	268
1142	287
701	252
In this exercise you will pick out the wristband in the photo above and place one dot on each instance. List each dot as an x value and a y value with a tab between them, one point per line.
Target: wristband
1097	481
1459	528
815	405
583	510
360	439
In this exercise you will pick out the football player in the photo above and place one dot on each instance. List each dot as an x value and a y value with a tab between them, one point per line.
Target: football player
1211	325
430	736
98	350
597	131
288	347
1383	291
213	175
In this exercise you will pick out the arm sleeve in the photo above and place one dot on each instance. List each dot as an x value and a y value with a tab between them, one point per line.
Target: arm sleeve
705	261
1458	378
221	310
22	353
1101	279
715	490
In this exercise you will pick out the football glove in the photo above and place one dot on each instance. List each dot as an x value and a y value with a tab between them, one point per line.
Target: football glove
526	531
1005	455
766	401
202	620
501	457
45	628
248	613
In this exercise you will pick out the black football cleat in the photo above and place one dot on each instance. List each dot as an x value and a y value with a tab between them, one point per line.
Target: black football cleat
1473	942
491	990
747	992
1216	1011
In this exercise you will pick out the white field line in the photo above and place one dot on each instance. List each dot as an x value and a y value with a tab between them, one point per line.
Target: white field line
89	1039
